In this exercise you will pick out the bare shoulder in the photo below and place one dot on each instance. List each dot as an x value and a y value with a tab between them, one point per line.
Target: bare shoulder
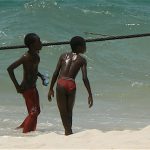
82	59
64	55
25	57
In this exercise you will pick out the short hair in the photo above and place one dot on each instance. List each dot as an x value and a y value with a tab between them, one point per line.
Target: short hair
30	39
75	42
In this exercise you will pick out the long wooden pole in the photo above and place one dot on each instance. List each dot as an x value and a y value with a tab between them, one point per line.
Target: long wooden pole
87	40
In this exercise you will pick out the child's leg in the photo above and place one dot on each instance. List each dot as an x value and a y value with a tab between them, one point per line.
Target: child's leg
62	106
32	102
28	105
65	107
70	104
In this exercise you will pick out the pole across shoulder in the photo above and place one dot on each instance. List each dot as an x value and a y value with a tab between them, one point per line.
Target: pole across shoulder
87	40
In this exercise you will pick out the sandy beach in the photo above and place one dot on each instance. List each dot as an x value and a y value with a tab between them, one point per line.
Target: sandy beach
89	139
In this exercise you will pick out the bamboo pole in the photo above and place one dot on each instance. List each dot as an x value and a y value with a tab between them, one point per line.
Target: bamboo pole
87	40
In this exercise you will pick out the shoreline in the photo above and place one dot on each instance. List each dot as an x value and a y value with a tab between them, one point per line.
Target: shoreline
89	139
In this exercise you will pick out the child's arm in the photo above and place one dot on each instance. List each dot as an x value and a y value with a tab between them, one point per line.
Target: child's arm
54	78
86	83
40	75
10	70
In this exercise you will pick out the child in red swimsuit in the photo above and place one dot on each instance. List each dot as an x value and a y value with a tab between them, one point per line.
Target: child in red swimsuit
66	70
30	61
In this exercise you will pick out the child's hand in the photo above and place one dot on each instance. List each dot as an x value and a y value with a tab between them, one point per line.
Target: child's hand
45	80
19	90
50	93
90	101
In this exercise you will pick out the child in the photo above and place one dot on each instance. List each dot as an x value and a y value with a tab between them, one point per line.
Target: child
30	61
67	68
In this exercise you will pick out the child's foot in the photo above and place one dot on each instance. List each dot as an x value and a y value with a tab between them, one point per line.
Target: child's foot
68	132
18	127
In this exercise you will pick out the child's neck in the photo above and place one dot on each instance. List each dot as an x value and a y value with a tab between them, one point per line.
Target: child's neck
32	52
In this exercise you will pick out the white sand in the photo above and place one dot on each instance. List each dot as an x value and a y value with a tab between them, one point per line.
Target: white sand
90	139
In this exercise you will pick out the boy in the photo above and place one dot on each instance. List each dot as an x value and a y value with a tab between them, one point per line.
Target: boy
67	68
30	61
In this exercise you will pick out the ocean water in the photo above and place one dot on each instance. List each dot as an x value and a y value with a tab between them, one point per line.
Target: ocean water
119	71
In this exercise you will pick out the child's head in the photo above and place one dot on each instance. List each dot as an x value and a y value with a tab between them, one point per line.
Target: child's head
78	44
32	41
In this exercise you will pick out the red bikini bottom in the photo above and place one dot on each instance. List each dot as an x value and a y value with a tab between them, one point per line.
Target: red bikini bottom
67	83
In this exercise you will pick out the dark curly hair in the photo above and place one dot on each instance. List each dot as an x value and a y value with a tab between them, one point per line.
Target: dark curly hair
75	42
30	39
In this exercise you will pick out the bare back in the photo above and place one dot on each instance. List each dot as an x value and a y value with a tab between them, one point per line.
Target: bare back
70	64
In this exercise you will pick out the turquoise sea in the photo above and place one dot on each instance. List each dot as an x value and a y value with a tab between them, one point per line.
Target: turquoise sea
119	71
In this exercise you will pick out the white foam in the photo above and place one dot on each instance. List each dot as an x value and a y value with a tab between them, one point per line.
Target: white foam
89	139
